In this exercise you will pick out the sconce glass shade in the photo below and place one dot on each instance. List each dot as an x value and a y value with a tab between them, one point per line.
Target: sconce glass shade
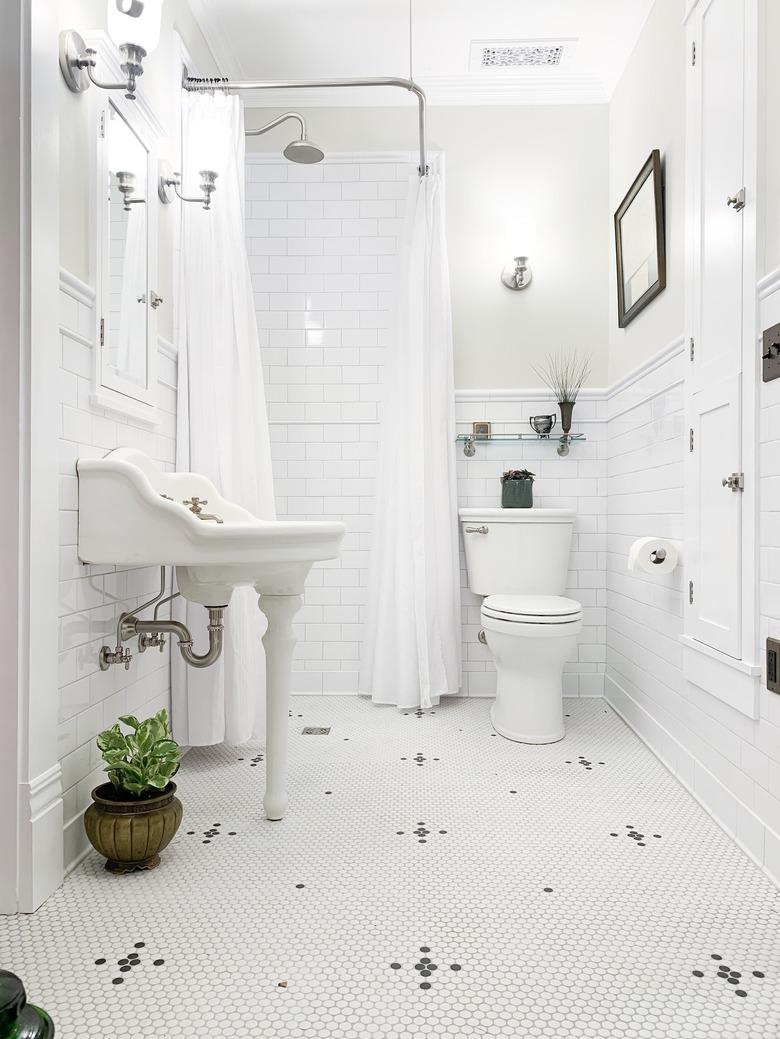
125	154
207	148
136	22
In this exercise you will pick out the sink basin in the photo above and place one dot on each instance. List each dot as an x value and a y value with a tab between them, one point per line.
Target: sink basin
131	513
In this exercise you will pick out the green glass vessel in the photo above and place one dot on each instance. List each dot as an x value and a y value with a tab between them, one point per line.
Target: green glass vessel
18	1018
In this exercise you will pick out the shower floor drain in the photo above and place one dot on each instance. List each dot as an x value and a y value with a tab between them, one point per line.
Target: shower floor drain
315	730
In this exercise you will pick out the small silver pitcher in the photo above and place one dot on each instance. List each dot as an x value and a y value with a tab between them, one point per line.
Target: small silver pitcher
542	424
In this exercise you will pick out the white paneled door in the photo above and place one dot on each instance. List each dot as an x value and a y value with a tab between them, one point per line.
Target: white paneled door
714	556
718	70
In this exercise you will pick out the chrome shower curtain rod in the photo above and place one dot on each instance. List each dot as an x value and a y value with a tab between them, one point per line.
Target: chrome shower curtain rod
219	83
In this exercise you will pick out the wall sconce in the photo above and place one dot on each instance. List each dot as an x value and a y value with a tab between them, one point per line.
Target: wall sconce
125	182
134	26
517	274
169	184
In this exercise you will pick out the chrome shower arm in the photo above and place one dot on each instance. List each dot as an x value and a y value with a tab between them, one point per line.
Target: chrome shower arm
276	122
192	83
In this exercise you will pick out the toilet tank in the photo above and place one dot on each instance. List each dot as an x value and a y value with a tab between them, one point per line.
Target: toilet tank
517	551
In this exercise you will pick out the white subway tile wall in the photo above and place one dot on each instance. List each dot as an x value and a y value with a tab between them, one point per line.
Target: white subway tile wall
92	597
730	761
322	243
574	482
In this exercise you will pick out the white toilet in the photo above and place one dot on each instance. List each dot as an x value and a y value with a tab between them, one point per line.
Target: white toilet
518	559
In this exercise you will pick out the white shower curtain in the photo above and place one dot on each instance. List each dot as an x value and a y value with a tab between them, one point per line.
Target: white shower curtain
222	428
411	649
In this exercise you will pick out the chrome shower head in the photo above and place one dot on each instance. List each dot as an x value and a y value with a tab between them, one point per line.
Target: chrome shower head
303	151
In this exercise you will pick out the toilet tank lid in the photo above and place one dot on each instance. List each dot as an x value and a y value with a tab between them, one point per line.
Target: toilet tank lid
516	515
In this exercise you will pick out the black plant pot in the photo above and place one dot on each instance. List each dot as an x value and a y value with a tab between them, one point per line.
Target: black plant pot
517	494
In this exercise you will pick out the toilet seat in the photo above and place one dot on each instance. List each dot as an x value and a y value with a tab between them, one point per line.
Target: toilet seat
532	609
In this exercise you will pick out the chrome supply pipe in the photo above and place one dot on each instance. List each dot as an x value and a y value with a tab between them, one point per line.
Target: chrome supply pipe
132	626
193	83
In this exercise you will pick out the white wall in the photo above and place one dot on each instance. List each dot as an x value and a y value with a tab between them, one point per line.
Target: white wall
92	597
729	760
161	86
769	121
506	166
322	244
647	111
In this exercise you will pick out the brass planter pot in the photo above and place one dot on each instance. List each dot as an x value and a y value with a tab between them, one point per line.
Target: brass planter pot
131	834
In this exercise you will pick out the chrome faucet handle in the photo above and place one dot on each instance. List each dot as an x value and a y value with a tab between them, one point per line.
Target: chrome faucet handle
195	504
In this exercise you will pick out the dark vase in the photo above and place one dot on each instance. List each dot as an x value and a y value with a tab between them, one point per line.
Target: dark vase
566	407
517	494
18	1018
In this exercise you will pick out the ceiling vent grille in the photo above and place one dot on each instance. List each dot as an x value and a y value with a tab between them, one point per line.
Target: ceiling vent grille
513	54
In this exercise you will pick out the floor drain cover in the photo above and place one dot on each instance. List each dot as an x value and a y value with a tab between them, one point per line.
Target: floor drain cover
316	730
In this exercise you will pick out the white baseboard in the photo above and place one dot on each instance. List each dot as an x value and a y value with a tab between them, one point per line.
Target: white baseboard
670	752
40	848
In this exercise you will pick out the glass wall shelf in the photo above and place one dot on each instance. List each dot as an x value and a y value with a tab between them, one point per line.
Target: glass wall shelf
469	440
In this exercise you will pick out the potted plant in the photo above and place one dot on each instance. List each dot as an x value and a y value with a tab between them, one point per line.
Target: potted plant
135	815
517	489
564	373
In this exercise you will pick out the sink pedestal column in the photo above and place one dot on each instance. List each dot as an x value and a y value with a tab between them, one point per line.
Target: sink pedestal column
279	643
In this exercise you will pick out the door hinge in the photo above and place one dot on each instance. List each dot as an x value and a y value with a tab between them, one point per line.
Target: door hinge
690	592
693	52
102	331
102	124
693	347
690	439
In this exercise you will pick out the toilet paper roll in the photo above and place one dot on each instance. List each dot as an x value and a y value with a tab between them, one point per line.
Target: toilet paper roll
652	556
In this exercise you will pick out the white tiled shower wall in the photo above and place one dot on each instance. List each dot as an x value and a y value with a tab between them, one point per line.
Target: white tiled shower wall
730	761
322	243
92	597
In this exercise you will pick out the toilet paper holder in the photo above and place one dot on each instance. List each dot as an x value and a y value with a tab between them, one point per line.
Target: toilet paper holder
658	555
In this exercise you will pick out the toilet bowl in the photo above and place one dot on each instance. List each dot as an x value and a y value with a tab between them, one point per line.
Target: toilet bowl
518	560
530	637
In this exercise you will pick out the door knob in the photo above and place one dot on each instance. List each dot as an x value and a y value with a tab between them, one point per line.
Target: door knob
734	481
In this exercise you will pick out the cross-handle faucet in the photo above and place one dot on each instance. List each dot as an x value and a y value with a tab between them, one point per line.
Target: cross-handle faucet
196	505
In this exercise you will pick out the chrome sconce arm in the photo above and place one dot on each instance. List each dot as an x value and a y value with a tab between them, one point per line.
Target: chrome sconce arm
125	182
517	274
77	64
169	184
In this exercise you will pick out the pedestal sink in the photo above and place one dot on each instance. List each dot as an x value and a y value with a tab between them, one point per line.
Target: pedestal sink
131	513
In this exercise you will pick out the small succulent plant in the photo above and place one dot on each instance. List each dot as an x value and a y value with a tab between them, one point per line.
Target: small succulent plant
142	762
517	474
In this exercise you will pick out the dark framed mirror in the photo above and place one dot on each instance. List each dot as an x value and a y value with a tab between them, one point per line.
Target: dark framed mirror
640	242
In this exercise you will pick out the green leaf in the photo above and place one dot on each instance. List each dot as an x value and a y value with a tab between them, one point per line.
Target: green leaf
143	759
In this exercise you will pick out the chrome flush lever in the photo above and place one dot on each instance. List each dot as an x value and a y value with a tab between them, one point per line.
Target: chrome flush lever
477	530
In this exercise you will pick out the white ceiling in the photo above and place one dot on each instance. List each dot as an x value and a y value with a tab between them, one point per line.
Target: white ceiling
305	39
